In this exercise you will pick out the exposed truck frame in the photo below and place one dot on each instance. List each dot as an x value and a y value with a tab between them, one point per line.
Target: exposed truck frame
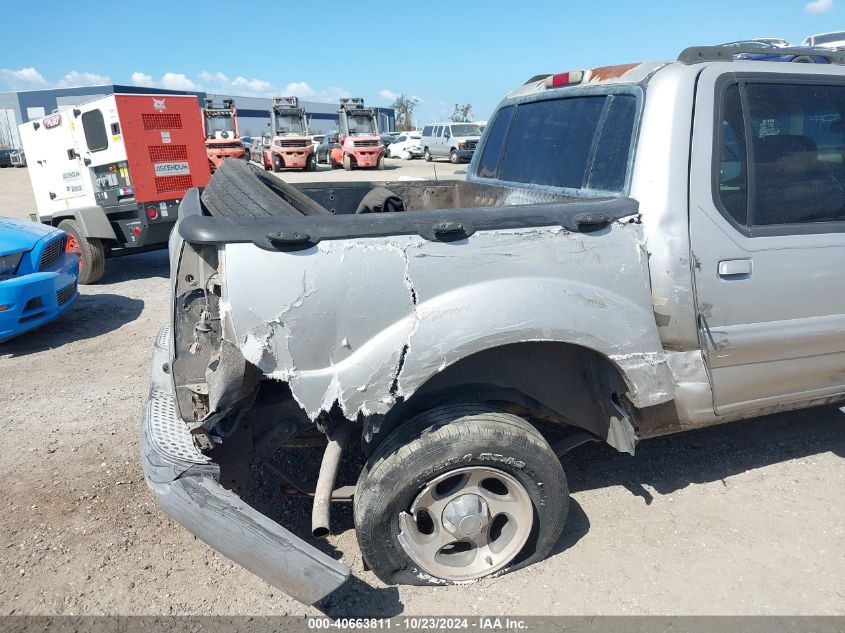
111	172
222	132
360	143
290	142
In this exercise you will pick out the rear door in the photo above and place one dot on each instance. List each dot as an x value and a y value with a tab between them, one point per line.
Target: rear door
767	229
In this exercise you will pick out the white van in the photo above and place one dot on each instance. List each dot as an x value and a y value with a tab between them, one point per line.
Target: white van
455	141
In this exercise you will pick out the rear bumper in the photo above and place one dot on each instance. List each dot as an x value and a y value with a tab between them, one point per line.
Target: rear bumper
185	484
35	299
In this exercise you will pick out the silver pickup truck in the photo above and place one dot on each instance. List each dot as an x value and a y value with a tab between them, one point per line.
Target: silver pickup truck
636	250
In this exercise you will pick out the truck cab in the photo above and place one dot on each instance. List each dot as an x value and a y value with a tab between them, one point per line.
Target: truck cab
290	144
360	143
222	136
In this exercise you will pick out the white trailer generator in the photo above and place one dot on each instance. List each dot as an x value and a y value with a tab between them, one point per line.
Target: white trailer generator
111	172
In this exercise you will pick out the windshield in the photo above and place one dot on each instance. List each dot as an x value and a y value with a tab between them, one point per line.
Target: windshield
829	38
219	123
466	129
361	124
289	125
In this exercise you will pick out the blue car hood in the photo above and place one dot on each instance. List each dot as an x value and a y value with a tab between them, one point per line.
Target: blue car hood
21	235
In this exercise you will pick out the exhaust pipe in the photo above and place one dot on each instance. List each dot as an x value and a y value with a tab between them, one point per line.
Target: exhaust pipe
325	481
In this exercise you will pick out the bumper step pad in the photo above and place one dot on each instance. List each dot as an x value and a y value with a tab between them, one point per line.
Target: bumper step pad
185	484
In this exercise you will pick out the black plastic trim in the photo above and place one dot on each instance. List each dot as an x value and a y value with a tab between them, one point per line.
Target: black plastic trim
264	232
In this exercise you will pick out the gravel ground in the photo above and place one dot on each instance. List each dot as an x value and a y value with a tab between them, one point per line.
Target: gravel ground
745	518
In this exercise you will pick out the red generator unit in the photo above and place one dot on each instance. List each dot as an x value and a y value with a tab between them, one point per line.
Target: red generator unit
111	172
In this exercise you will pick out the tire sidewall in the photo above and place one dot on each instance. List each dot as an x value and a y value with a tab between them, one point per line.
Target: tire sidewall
543	481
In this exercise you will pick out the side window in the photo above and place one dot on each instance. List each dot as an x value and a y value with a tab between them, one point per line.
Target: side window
426	130
798	149
489	165
447	131
732	176
437	130
94	128
782	154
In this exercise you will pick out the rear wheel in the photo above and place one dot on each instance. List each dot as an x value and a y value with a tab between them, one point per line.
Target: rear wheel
380	163
347	162
427	155
459	493
92	255
311	165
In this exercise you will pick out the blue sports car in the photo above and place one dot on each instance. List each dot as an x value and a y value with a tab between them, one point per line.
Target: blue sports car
37	275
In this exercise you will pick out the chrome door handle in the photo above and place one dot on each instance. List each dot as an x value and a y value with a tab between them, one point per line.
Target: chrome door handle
735	269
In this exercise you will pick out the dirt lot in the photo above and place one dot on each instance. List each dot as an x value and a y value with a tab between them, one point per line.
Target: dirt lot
746	518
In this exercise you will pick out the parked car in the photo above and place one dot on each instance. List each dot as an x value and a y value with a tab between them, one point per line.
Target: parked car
759	50
316	139
6	157
406	146
18	158
258	151
329	142
247	143
38	275
835	39
455	141
636	250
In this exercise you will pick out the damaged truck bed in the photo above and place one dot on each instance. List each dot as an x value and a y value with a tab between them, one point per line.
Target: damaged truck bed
466	335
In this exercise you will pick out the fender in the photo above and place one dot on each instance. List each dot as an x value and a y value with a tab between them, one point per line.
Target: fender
93	222
362	323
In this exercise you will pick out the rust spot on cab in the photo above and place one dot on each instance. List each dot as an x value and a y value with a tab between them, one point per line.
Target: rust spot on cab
606	73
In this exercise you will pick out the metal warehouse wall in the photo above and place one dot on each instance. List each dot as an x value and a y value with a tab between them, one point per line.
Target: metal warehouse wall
254	112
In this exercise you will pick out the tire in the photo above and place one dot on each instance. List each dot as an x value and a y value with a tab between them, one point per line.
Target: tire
347	162
405	156
242	190
311	165
453	156
457	439
380	163
427	155
92	255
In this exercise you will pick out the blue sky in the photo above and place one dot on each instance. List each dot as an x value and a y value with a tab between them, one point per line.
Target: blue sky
442	52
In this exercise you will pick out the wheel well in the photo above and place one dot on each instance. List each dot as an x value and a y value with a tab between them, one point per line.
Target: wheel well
550	384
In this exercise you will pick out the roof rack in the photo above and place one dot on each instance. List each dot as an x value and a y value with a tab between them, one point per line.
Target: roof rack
700	54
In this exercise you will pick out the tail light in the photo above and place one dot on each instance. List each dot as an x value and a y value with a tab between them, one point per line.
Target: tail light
565	79
152	213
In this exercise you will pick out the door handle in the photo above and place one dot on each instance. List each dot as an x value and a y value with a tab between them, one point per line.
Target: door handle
735	269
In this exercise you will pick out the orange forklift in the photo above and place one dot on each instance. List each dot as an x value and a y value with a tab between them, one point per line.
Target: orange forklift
222	137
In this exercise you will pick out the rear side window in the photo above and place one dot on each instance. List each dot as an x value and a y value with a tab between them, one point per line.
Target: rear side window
489	165
426	130
95	131
573	142
782	154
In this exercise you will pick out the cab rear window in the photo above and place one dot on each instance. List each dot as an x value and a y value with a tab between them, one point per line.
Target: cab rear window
575	142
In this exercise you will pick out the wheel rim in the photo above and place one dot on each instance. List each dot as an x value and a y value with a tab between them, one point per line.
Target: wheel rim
72	246
467	523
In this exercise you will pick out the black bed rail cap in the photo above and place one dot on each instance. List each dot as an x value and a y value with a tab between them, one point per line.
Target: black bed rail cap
701	54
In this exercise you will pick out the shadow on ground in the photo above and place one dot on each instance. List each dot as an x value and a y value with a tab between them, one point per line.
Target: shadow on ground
136	266
91	316
665	465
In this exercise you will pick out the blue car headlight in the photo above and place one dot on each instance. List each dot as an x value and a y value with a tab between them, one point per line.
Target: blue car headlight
9	264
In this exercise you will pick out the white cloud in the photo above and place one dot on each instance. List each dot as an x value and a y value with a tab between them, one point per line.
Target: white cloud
258	86
388	94
332	94
819	6
76	78
217	77
177	81
23	79
142	79
298	89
